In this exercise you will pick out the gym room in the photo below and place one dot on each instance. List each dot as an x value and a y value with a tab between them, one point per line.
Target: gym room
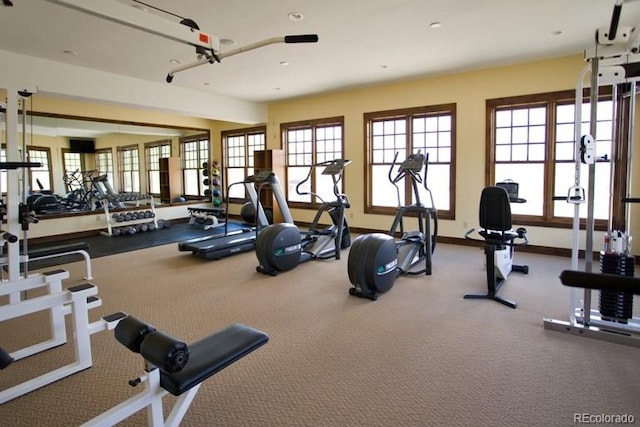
167	168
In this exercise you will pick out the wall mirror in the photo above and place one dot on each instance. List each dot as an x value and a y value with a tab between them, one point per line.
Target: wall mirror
87	161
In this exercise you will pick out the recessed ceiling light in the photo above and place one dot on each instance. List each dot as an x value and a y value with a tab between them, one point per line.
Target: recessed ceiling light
295	16
383	66
276	88
284	63
435	24
556	33
70	52
175	61
206	83
227	42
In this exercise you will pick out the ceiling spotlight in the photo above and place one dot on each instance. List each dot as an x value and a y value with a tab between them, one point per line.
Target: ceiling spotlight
175	61
206	83
383	66
435	24
295	16
70	52
556	33
284	63
227	42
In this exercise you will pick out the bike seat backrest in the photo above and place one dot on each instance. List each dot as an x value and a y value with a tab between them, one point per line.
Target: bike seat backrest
495	211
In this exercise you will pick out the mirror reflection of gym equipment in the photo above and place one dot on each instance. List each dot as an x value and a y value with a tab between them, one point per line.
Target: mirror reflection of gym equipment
282	247
499	238
377	259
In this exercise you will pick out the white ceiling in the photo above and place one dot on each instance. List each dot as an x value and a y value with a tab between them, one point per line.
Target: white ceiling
361	42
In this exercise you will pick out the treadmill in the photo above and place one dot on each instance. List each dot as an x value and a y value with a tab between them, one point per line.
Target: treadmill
230	243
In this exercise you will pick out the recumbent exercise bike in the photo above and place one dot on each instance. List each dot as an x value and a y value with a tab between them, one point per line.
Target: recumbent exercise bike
282	246
377	259
499	238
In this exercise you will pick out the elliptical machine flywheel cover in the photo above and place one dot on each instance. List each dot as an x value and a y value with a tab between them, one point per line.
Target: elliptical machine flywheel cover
279	247
372	262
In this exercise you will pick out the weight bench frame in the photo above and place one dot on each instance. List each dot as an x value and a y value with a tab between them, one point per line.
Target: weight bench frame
206	214
75	301
59	251
209	355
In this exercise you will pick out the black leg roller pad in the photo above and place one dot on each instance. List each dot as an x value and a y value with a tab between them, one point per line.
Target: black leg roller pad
182	366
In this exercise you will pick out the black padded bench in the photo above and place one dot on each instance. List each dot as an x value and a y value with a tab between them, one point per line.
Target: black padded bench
211	355
602	281
173	367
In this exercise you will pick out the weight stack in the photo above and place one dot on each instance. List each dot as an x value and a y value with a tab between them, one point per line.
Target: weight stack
616	306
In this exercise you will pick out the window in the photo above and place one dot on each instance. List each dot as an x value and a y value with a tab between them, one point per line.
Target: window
239	146
73	164
308	143
531	140
129	169
40	176
195	152
154	151
104	164
429	130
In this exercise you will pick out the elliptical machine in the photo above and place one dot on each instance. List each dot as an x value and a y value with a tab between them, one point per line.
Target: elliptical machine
281	247
377	259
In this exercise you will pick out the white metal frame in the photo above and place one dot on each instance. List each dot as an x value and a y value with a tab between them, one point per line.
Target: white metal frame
606	67
75	302
151	399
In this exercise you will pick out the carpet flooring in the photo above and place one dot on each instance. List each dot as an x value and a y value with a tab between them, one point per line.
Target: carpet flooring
420	355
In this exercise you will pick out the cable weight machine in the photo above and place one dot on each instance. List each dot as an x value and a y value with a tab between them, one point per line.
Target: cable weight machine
614	62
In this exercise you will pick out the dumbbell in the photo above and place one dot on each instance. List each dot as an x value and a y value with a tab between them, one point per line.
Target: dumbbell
151	226
116	231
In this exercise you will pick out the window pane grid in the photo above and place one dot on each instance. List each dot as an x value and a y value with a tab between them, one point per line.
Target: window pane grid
520	135
429	130
129	169
308	145
540	154
432	135
239	148
195	152
389	137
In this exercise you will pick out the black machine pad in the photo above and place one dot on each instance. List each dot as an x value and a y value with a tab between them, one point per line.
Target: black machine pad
602	281
212	354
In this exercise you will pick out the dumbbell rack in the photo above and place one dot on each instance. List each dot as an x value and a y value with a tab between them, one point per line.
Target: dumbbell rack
111	224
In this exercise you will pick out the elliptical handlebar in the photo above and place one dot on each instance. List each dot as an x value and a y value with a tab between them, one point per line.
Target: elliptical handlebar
335	168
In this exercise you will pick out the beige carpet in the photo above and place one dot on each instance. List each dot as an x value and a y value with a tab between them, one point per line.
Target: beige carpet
419	356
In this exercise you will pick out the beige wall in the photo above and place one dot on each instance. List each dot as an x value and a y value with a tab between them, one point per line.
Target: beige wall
469	91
